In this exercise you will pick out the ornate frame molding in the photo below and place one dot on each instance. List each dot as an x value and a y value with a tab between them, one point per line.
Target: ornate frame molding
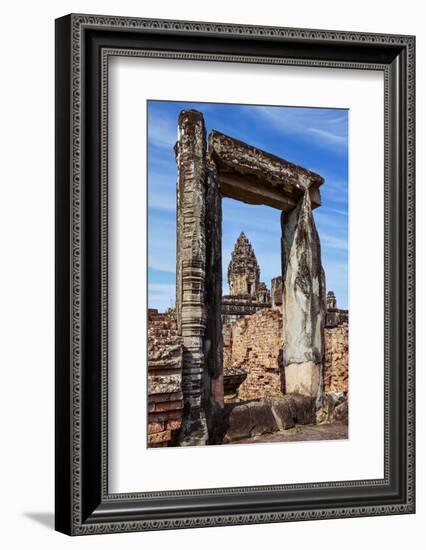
85	507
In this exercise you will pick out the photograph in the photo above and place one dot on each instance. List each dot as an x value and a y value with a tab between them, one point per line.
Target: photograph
248	305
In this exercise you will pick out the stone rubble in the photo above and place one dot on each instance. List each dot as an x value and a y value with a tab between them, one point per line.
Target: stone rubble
164	379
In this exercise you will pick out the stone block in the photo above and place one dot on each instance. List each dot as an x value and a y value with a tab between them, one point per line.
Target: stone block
303	408
250	419
262	419
159	437
285	414
303	378
164	384
155	427
239	423
167	406
165	416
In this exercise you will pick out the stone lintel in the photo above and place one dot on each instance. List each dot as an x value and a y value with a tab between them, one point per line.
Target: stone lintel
251	175
252	191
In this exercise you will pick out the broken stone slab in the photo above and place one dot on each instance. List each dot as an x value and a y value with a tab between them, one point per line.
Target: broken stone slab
292	409
263	420
283	411
249	420
269	415
239	423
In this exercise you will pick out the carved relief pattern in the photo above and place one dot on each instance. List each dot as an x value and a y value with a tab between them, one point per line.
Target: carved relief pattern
191	265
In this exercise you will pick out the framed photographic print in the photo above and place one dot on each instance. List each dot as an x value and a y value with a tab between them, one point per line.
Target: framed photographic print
234	274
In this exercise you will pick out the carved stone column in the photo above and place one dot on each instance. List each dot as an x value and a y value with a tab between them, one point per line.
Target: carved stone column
190	271
304	302
213	341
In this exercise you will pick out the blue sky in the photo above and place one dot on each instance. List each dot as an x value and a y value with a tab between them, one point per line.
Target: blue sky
314	138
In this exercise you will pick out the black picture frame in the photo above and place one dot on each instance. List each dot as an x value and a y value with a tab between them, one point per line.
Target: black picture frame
83	504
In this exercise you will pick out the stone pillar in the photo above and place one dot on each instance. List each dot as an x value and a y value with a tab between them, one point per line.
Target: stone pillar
303	302
190	271
213	341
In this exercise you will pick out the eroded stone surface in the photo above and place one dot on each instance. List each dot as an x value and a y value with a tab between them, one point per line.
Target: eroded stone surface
164	379
336	374
255	418
250	419
254	176
303	302
213	339
283	412
303	378
191	269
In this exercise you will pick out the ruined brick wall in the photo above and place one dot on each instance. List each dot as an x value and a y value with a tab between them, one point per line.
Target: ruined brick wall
336	359
164	379
254	343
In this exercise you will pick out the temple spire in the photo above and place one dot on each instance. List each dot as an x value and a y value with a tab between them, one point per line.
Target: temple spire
243	270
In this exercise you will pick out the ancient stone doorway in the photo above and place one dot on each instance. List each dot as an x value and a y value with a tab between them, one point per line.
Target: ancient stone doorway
226	167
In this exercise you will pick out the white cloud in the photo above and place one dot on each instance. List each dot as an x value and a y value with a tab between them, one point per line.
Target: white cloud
162	252
323	126
162	130
333	242
162	192
330	136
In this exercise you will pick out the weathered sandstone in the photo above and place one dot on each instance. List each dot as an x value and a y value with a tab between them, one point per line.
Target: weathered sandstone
336	376
303	302
164	379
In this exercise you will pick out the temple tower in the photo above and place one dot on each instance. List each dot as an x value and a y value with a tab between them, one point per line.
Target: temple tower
331	300
243	269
